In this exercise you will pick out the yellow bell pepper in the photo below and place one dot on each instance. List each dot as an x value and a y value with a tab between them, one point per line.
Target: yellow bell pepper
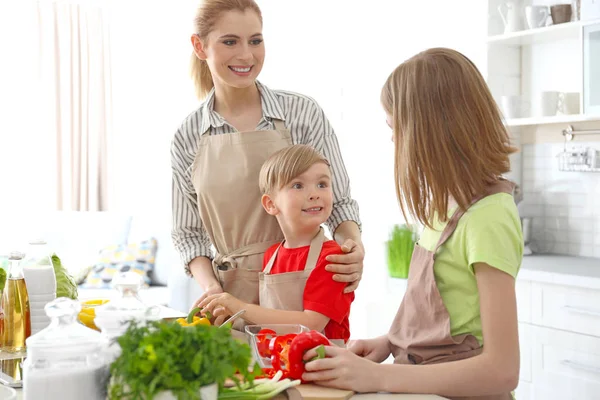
193	320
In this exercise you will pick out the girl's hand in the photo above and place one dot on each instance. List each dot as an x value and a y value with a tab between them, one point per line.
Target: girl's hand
221	306
342	369
348	267
376	349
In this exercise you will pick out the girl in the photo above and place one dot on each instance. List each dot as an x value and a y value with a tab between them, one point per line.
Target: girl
455	333
219	149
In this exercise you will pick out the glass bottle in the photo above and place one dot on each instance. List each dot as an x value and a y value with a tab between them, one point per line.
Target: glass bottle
16	323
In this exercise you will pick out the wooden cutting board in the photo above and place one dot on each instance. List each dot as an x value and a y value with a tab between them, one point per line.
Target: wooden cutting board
315	392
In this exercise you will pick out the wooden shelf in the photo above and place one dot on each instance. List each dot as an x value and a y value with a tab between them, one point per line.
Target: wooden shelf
556	119
552	33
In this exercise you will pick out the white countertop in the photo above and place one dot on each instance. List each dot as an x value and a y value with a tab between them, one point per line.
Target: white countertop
563	270
368	396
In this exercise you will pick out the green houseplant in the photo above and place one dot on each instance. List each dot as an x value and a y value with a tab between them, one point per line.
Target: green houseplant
164	357
399	250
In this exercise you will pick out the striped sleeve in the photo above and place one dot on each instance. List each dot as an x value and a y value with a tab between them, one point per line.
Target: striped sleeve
189	236
321	136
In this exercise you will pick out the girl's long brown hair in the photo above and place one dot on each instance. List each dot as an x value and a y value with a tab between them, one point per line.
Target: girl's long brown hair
449	136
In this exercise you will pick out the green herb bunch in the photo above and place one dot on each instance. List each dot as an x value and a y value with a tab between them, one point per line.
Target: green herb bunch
399	250
164	356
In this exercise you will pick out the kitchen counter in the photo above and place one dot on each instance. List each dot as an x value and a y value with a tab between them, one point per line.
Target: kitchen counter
369	396
563	270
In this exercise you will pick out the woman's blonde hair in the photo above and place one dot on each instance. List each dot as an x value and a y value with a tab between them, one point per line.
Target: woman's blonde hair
207	16
286	164
449	135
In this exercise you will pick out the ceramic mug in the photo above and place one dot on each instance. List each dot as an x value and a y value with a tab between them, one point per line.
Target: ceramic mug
536	16
511	106
547	104
568	103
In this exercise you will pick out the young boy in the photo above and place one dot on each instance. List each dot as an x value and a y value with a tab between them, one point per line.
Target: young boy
295	288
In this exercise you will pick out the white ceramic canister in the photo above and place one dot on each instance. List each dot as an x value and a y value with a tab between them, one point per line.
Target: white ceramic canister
66	360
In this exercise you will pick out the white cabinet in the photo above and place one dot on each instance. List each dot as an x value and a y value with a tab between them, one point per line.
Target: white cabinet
533	65
565	365
559	335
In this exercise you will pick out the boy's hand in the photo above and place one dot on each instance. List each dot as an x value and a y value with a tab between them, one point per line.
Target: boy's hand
349	266
221	305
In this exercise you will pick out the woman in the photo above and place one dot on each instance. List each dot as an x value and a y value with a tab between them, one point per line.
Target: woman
455	333
219	149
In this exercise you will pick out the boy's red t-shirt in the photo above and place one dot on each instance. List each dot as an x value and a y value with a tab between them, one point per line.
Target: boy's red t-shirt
322	294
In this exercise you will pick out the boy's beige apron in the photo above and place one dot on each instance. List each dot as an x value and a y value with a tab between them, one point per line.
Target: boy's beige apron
225	178
420	333
285	291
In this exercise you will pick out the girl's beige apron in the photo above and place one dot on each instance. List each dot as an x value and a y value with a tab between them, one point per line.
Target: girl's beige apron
285	291
420	333
225	178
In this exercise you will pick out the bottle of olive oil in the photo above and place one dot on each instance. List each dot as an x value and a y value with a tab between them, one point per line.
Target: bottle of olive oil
15	326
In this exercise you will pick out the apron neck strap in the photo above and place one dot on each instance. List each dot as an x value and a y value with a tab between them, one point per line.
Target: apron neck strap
316	244
502	186
279	124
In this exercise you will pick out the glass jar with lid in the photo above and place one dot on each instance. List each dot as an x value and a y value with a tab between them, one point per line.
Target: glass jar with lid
112	318
66	360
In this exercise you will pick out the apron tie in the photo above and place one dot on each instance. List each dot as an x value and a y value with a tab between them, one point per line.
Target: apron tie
229	261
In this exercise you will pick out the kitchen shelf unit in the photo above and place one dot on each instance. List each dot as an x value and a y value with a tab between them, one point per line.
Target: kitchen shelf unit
548	34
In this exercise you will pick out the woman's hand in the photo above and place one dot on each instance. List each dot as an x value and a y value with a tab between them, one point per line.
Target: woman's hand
342	369
221	306
349	266
376	349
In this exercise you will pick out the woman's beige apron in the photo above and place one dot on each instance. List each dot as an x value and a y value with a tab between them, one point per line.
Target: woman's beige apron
225	177
285	291
420	333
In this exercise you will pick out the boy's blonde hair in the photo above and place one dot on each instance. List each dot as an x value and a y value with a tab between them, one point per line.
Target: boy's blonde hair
449	136
286	164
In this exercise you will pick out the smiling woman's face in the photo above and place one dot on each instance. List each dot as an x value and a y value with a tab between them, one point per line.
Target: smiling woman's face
234	49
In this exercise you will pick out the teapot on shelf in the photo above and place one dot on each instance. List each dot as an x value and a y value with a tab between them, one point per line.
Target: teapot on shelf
511	16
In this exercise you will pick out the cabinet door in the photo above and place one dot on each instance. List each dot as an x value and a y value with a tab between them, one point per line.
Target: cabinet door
568	308
565	365
591	66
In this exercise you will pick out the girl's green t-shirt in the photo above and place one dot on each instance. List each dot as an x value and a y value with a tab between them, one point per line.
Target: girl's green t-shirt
489	232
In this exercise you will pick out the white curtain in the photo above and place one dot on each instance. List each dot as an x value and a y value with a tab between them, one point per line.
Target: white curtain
75	72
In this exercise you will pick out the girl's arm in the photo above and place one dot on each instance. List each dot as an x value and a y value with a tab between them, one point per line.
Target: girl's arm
494	371
224	303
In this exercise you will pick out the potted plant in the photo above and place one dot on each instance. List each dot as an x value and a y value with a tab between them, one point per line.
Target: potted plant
164	360
399	250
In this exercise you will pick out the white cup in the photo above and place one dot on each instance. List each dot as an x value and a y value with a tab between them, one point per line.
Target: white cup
568	103
536	16
547	104
511	106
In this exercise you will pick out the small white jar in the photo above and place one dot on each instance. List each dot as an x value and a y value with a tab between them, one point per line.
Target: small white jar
66	360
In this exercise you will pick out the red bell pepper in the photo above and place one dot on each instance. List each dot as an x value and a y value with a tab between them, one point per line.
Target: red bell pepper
263	338
280	347
299	346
